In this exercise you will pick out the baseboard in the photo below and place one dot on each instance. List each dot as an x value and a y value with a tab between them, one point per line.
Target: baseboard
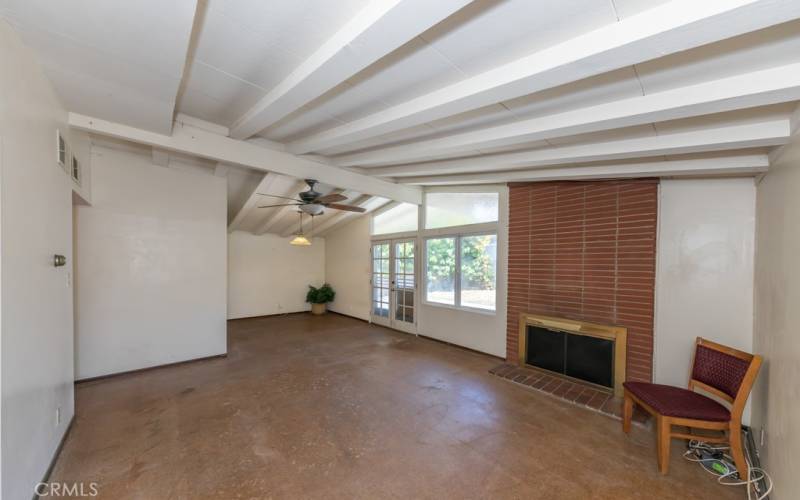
348	316
55	456
461	347
148	368
269	315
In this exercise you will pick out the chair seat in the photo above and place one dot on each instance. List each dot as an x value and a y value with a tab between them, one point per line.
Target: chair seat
676	402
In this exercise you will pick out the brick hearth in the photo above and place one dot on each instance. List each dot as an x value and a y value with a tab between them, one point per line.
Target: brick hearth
572	392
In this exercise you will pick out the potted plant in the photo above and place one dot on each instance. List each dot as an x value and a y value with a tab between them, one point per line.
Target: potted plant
318	297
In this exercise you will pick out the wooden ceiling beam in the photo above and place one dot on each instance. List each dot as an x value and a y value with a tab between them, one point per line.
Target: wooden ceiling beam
764	133
201	143
377	30
759	88
253	199
674	26
723	165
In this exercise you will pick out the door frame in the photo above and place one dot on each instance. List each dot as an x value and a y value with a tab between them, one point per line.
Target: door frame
391	322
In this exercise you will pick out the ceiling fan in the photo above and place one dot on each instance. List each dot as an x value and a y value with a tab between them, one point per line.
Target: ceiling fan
313	202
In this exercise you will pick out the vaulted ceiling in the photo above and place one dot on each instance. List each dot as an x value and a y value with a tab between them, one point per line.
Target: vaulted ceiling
375	98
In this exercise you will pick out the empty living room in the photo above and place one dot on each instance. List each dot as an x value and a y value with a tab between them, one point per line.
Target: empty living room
400	249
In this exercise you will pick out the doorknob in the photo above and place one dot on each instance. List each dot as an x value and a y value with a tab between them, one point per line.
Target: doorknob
59	260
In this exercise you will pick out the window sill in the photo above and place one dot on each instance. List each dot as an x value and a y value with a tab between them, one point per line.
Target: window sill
483	312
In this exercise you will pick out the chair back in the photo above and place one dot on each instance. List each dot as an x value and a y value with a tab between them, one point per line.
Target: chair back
725	372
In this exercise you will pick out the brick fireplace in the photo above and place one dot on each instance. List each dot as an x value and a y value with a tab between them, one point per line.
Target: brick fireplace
585	251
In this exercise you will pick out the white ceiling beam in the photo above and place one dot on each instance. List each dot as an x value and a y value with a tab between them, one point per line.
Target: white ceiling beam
253	199
185	119
764	133
377	30
204	144
282	212
759	88
725	165
221	170
672	27
160	157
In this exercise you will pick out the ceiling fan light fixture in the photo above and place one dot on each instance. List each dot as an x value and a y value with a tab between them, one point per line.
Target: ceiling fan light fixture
312	208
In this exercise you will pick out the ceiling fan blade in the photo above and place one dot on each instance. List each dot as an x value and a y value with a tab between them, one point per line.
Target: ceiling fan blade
276	196
330	198
281	205
347	208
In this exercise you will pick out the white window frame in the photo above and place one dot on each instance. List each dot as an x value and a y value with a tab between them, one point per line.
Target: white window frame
59	140
457	278
495	228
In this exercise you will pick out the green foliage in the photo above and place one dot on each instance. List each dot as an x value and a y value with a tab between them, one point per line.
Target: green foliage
441	263
320	295
477	266
477	262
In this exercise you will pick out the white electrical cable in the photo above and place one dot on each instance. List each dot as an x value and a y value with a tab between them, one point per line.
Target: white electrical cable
756	473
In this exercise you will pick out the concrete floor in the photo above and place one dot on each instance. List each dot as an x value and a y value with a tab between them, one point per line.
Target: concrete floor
331	407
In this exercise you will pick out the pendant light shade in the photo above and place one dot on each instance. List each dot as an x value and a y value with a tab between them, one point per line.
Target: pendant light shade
300	240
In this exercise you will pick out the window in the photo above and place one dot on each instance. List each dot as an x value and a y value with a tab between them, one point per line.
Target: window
76	170
380	279
458	209
61	149
440	282
478	271
461	271
399	219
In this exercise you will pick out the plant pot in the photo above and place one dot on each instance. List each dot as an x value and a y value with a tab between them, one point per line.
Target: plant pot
317	309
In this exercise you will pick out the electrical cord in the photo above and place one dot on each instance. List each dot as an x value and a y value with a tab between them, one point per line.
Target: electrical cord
756	473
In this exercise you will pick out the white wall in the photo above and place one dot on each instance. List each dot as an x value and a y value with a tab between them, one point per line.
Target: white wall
36	364
776	398
151	266
267	275
347	268
704	279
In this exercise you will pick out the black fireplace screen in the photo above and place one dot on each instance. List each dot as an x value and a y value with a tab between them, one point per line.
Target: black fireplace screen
579	356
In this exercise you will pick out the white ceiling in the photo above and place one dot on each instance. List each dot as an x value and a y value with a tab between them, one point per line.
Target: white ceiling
221	61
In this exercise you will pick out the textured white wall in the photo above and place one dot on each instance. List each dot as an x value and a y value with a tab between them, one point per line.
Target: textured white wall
347	268
776	398
36	305
704	280
151	261
267	275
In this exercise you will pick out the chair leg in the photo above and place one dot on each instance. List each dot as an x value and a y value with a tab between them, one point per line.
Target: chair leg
627	414
735	438
664	427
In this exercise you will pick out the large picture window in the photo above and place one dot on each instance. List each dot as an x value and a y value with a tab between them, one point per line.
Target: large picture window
461	271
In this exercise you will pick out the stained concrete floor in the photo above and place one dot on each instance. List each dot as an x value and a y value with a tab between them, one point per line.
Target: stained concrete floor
331	407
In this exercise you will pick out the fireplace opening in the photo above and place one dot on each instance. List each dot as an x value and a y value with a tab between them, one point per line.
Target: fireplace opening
578	356
576	349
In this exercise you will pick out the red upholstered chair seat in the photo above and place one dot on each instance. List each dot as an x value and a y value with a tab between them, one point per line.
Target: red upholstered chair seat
677	402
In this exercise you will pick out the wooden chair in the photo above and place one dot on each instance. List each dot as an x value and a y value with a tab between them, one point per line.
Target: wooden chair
716	369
